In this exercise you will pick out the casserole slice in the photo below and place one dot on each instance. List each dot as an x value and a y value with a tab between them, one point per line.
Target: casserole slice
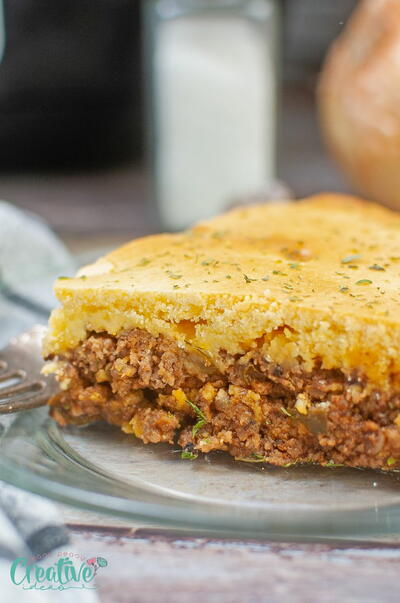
271	332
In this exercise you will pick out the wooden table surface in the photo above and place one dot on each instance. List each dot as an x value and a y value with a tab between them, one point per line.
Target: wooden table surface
151	564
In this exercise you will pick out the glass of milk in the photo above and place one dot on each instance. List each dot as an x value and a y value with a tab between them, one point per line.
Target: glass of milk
212	93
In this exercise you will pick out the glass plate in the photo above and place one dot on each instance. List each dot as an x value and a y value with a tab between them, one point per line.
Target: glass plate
100	468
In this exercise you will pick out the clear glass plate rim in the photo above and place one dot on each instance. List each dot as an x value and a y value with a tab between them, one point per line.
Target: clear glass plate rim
160	514
175	494
197	516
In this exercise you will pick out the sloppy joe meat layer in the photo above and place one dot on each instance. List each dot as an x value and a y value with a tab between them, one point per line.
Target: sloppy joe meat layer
243	404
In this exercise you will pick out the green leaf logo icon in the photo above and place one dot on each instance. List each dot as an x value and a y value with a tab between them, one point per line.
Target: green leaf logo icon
101	562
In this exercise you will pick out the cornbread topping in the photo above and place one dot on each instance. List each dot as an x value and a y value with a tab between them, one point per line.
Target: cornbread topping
270	332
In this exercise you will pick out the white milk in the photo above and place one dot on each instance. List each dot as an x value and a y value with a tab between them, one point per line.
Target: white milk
214	85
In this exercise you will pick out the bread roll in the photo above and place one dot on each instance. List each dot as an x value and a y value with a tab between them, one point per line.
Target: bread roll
359	100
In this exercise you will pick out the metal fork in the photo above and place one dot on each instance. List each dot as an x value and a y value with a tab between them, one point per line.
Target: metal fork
22	386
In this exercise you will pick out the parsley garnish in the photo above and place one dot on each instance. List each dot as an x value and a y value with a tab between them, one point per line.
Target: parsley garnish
253	458
200	415
350	258
185	454
332	464
258	457
364	281
218	234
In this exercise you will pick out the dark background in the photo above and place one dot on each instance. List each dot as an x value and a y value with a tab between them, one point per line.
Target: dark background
70	83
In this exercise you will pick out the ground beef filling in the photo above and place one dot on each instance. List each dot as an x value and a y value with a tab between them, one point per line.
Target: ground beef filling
245	405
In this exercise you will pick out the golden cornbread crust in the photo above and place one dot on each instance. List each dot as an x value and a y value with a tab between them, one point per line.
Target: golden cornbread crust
307	289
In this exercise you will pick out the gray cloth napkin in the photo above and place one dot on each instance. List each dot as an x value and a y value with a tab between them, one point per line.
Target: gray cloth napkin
30	528
31	257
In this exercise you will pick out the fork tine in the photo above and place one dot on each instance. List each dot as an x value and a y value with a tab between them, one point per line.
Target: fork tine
18	390
3	366
22	386
20	375
16	405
